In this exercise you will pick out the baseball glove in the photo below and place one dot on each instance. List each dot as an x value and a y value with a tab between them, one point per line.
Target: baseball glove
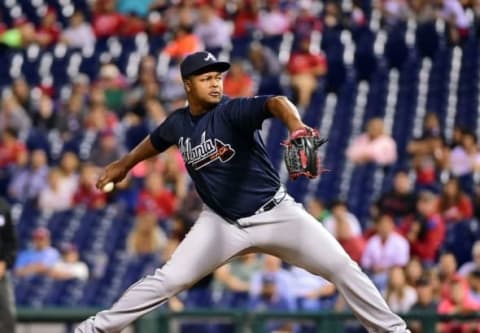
301	157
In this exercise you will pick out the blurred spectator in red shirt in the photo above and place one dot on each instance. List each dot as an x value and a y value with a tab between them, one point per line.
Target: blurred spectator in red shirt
12	150
48	33
458	301
245	19
87	194
455	206
79	33
107	21
155	198
426	231
238	82
305	68
345	227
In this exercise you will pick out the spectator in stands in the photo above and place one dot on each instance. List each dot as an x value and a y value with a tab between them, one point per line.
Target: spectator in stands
474	283
374	146
21	35
465	159
455	206
44	116
346	229
69	267
87	194
155	198
107	21
22	91
264	62
271	290
232	280
107	149
393	11
100	118
306	22
470	266
13	115
305	69
137	7
238	82
384	250
8	248
399	295
12	151
414	271
426	300
273	21
458	23
69	165
113	85
146	237
212	29
312	292
79	33
332	15
48	33
38	259
28	182
457	301
245	19
316	207
184	43
401	201
447	272
426	231
71	118
56	196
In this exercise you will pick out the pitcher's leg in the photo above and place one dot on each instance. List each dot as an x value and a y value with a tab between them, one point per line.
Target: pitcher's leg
302	241
209	243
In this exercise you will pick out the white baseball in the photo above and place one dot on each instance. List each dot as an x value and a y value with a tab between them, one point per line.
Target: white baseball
108	187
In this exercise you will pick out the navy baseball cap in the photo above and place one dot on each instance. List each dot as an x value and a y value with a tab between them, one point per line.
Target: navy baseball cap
202	62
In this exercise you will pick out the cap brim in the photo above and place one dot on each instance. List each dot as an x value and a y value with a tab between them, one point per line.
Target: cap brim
220	66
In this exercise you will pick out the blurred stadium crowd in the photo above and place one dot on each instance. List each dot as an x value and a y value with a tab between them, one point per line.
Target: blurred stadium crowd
392	83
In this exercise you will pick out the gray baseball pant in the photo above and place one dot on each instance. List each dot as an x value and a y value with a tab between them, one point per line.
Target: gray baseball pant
287	231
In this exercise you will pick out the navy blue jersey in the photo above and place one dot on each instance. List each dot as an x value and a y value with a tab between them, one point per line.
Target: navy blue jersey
224	154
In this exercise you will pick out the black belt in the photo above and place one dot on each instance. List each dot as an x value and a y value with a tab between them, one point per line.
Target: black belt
272	203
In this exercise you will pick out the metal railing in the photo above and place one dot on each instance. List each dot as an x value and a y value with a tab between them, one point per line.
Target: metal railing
159	321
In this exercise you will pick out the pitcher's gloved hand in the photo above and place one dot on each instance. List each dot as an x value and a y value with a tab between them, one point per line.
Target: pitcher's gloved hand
301	153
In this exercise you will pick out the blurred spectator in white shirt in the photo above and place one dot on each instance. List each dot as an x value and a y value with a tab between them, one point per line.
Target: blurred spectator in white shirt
56	196
29	182
399	295
312	292
394	10
79	33
458	22
273	22
470	266
384	250
70	266
212	30
465	159
373	146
